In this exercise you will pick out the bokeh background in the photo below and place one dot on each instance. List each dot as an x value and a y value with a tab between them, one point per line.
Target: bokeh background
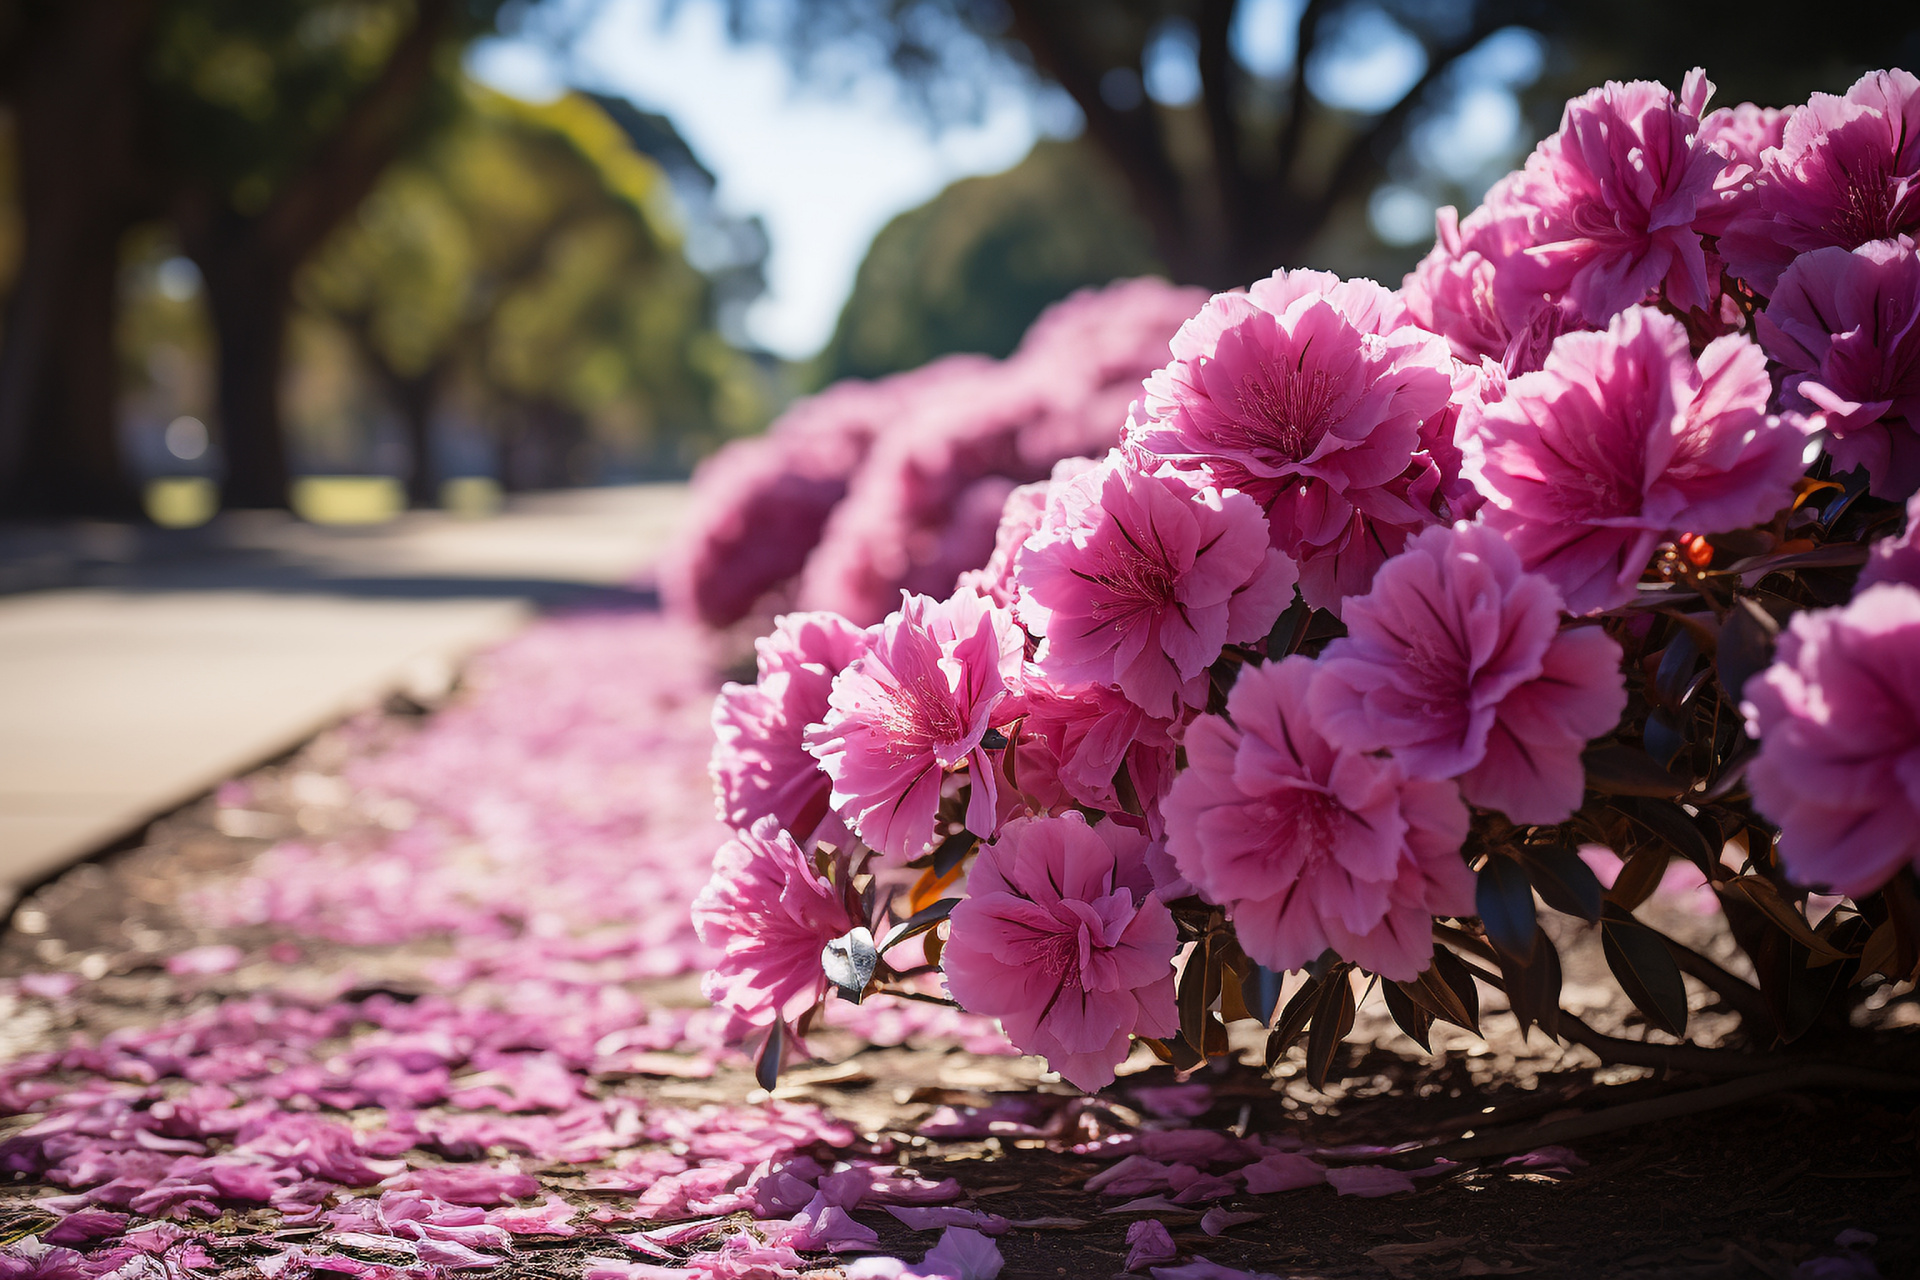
456	247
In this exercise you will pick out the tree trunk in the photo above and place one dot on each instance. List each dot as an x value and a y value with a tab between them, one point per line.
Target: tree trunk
416	399
75	87
248	297
249	261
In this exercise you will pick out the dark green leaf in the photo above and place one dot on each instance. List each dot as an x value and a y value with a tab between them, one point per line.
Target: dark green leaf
1675	672
1505	901
849	961
1261	989
928	917
766	1068
1332	1019
1663	736
1614	769
1564	880
952	850
1408	1014
1746	645
1645	970
1288	629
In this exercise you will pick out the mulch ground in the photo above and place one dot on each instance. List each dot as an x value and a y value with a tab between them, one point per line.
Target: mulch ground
1796	1185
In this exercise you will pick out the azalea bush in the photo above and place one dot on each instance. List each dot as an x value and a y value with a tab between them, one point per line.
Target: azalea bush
1388	615
873	487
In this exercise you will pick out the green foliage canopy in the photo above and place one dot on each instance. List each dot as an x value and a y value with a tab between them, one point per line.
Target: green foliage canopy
970	269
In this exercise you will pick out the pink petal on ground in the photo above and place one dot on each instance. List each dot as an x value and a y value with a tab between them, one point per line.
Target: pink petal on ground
963	1255
1282	1171
934	1217
1369	1180
1217	1220
1148	1241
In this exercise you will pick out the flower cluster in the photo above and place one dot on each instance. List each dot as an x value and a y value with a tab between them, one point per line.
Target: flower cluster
1325	649
869	488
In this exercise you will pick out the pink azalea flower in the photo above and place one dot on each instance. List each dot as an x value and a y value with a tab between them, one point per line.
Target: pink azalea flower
1091	731
1456	662
1020	518
1896	559
1061	938
1847	171
769	913
1621	440
1743	134
914	707
1451	291
1845	326
1610	202
760	762
1310	395
1837	716
1309	845
1143	579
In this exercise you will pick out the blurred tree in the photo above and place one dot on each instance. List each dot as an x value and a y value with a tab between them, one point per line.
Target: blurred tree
1251	133
280	119
255	127
970	269
72	76
528	261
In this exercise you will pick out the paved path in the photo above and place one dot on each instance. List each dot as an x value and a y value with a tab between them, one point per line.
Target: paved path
139	668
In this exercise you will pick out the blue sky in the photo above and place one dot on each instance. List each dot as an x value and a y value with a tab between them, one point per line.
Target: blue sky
826	171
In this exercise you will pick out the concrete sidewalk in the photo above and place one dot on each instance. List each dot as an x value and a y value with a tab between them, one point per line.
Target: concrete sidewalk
139	668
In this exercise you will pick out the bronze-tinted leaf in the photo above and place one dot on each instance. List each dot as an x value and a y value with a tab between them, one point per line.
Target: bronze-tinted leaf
1185	1056
1233	998
1193	995
1293	1020
1761	893
1903	908
1794	994
1216	1037
1563	879
1878	955
1676	828
1615	769
1446	989
1332	1019
1645	970
1407	1014
1533	986
1639	877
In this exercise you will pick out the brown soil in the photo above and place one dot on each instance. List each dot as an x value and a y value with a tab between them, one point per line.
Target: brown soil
1758	1189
